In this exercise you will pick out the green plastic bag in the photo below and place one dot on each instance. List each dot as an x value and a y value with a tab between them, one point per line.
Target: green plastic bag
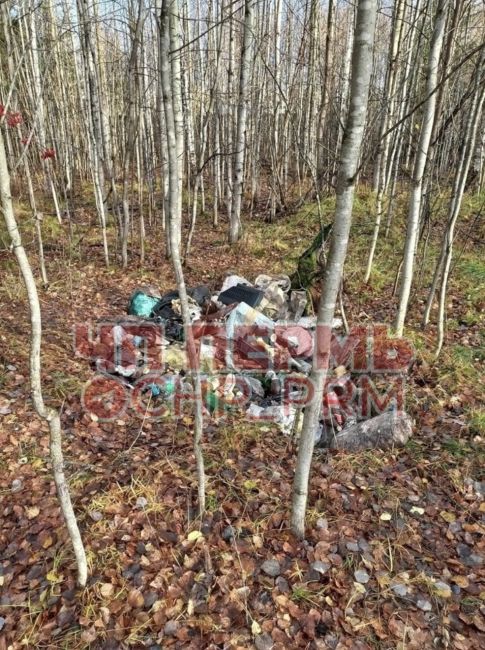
141	304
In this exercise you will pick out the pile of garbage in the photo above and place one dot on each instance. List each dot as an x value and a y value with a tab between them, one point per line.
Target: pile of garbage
254	344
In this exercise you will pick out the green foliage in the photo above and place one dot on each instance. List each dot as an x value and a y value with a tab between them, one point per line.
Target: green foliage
310	265
456	448
472	273
477	422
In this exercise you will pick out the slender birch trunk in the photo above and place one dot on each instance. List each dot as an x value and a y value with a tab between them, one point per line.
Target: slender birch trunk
51	416
176	79
419	165
170	87
131	128
471	129
239	156
407	91
322	115
380	180
93	118
349	158
448	50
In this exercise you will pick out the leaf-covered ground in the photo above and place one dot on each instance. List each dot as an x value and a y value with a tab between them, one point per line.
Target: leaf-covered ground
395	553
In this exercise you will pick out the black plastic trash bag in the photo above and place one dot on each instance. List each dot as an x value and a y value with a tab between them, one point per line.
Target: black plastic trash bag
241	293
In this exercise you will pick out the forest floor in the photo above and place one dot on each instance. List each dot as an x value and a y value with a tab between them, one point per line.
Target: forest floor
399	533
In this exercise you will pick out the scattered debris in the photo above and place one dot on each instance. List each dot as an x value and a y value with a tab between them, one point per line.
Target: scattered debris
351	491
255	352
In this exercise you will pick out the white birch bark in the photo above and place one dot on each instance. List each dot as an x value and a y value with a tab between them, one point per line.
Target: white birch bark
131	127
380	180
93	118
471	128
240	144
419	166
51	416
349	158
170	87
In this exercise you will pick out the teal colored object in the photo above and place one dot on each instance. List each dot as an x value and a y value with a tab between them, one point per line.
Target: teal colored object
166	389
154	389
141	304
212	401
169	387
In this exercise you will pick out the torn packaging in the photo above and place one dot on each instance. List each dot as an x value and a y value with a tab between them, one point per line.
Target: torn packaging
282	281
244	315
195	311
232	281
252	341
275	301
283	415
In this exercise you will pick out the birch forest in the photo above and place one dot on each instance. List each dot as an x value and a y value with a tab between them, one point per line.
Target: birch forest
242	298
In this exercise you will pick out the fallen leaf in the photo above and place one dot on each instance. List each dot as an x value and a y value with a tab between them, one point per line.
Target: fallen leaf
441	589
47	541
361	576
52	576
89	635
107	589
135	598
461	581
255	628
32	513
194	535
